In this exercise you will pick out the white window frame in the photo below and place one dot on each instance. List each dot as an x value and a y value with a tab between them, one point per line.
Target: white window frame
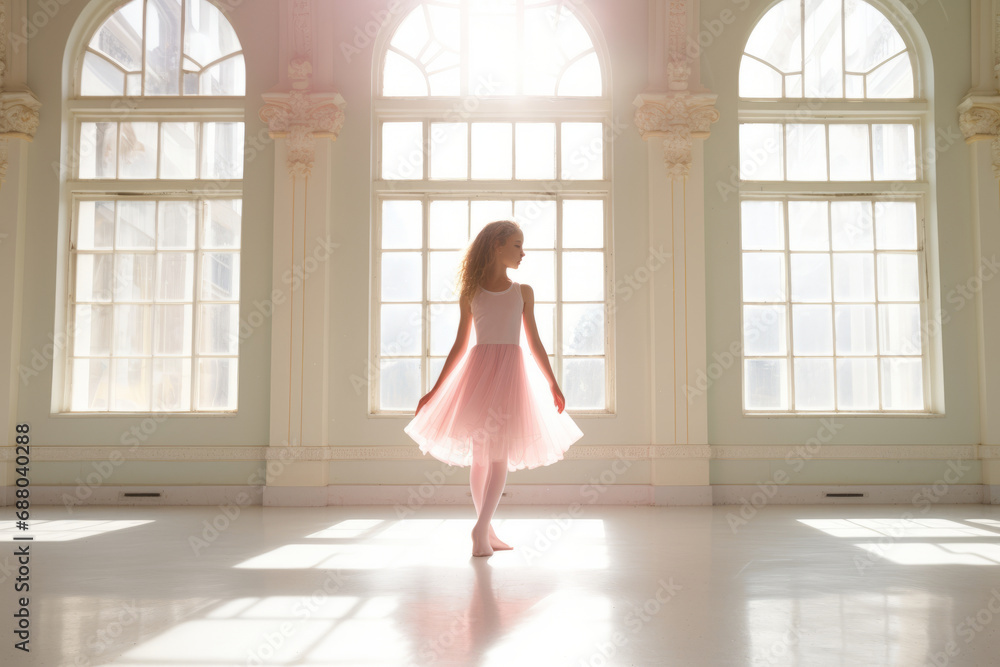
917	112
430	109
79	109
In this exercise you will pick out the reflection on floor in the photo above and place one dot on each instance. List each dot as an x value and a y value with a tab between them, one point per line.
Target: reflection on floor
360	586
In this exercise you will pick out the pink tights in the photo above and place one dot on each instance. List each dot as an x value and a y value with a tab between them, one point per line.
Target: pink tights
487	479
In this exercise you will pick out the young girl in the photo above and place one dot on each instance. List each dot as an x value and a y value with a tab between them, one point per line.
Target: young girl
490	409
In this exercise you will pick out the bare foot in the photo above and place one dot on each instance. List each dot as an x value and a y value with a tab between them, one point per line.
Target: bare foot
497	543
480	547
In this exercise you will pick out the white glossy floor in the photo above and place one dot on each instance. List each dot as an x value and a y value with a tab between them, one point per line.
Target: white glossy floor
613	585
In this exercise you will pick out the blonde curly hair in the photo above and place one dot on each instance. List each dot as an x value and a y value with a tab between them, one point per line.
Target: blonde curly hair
481	253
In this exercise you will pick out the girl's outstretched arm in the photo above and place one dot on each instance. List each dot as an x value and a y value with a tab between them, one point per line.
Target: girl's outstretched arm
535	344
461	342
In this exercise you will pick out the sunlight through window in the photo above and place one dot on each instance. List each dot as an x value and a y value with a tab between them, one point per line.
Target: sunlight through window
64	530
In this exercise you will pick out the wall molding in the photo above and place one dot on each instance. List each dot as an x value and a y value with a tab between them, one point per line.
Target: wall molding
576	453
409	499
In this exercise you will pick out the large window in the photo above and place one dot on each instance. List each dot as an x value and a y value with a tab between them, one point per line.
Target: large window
833	201
490	111
155	196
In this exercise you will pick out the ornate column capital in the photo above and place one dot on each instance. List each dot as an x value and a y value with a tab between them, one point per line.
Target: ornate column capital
678	118
18	120
979	120
302	116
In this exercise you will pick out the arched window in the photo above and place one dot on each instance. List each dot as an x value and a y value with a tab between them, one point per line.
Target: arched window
833	202
155	194
487	111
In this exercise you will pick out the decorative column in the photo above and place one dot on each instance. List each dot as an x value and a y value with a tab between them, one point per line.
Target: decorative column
671	116
18	122
979	119
299	119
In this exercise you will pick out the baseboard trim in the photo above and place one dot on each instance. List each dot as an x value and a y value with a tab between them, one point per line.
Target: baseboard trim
815	494
412	496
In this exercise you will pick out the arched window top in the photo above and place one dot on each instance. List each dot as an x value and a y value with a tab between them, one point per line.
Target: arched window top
826	48
508	47
164	47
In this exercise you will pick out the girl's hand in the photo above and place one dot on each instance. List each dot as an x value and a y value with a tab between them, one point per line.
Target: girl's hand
428	396
559	398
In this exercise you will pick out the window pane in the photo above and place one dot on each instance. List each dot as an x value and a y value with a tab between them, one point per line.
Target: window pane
449	224
899	329
855	330
98	149
857	384
163	47
177	159
492	39
764	330
582	78
869	37
808	225
763	224
95	225
133	380
100	77
449	150
134	277
222	223
402	223
402	78
399	383
852	225
814	384
582	151
583	329
402	278
442	268
898	277
444	325
777	37
849	154
902	384
806	152
132	330
175	276
535	150
137	150
222	151
225	78
485	211
171	384
758	80
175	226
583	383
812	331
810	276
763	276
91	382
894	79
400	326
172	334
896	225
94	277
537	218
207	33
220	276
492	150
92	331
761	152
853	277
583	224
402	150
220	329
217	384
766	385
583	276
823	48
894	152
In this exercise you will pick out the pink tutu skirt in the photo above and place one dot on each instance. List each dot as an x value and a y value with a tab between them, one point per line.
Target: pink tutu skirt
495	405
